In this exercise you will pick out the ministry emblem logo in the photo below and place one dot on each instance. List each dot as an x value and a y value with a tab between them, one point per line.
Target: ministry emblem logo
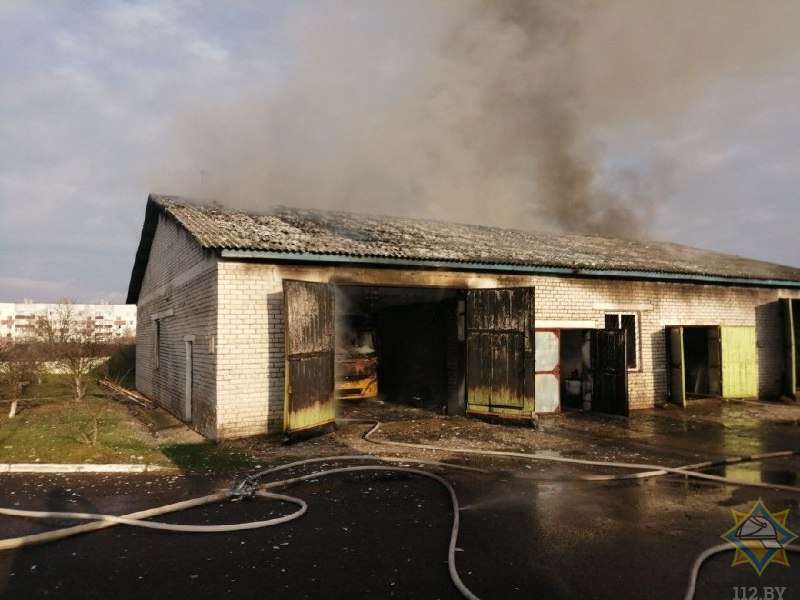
760	537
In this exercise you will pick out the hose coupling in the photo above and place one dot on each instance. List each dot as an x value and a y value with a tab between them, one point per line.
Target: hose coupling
244	488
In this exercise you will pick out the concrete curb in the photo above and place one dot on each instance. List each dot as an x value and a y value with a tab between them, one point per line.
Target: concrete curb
78	468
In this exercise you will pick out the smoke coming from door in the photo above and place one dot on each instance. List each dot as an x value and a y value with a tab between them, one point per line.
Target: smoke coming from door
504	113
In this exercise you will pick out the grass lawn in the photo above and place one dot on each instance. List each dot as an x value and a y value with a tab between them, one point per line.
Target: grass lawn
50	427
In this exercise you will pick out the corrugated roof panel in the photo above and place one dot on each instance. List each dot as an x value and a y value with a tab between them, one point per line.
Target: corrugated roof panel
360	235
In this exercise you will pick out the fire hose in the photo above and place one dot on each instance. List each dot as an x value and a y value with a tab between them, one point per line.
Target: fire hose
644	471
244	489
249	487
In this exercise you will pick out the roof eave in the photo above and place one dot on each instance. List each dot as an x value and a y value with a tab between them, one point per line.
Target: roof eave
152	210
504	268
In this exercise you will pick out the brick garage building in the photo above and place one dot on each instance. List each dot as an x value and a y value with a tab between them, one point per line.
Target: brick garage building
237	316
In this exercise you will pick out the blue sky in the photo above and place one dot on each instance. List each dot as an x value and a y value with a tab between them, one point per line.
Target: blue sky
673	121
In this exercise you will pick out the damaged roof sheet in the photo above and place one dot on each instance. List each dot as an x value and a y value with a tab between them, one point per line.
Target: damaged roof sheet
317	232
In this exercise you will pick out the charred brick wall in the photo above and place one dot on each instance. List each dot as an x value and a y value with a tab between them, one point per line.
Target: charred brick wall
234	312
587	301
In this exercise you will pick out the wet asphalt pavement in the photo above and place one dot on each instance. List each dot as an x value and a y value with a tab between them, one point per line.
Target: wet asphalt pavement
528	529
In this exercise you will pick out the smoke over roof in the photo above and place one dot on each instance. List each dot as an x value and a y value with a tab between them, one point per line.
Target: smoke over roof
502	113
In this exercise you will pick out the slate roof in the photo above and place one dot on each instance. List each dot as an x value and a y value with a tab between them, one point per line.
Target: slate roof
294	232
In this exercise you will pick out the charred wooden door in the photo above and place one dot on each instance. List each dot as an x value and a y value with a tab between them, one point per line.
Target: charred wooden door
500	366
677	369
310	349
610	372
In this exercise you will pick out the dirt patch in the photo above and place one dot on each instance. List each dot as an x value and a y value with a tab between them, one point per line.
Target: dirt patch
163	427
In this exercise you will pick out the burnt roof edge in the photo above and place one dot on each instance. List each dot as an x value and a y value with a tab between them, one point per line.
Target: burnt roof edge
506	268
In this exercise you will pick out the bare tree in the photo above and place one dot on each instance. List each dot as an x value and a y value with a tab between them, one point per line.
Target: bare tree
70	339
21	365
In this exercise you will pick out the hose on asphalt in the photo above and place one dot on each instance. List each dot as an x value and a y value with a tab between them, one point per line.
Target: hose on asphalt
246	488
644	470
705	555
250	487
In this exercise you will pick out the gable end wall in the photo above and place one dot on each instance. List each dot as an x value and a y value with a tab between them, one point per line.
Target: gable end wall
180	289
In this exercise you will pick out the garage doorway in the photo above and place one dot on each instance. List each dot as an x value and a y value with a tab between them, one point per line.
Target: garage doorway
593	370
415	342
711	361
446	350
576	375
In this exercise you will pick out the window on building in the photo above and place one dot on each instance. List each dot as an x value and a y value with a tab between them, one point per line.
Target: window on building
626	322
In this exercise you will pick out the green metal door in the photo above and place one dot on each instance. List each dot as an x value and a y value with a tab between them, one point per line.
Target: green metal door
739	362
789	347
677	371
310	330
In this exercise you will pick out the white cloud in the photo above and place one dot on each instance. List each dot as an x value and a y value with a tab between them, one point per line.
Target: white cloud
142	19
204	50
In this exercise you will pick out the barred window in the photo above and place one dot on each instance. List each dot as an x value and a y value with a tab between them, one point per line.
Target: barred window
628	323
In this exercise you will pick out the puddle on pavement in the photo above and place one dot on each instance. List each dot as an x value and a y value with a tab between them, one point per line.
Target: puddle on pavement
757	473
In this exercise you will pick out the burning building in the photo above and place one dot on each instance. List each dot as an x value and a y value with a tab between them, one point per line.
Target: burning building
238	316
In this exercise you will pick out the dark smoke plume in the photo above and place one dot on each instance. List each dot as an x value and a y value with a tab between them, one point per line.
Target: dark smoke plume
503	113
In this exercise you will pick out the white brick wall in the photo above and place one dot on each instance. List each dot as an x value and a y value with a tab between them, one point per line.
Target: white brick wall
661	304
249	375
235	312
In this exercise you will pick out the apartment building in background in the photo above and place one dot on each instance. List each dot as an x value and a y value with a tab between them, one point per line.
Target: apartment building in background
108	321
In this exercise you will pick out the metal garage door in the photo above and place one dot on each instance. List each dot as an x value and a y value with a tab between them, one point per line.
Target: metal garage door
739	362
609	372
730	360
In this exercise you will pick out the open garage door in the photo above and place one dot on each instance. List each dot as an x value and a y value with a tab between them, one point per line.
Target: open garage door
547	382
310	334
790	358
712	361
739	362
677	370
500	365
610	372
